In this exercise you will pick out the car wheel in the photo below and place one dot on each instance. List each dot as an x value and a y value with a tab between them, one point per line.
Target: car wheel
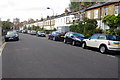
54	39
73	43
65	41
48	37
103	49
84	45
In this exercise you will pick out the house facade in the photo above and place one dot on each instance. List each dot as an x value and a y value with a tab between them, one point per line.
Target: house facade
97	11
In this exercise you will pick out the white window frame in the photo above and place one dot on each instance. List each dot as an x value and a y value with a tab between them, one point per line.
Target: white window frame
106	11
95	13
117	10
89	14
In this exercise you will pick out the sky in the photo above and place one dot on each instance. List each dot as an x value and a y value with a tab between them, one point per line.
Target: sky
25	9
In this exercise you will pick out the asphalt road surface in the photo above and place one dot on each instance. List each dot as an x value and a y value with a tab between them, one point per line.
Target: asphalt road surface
37	57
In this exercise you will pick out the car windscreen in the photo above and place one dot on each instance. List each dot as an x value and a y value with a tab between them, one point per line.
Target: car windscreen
59	33
79	35
11	32
113	37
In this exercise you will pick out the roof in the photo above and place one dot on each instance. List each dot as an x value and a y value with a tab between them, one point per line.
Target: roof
100	5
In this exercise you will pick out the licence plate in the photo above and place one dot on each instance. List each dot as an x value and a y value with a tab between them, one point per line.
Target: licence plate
62	36
116	43
10	38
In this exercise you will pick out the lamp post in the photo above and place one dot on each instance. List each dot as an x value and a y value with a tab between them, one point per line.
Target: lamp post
51	17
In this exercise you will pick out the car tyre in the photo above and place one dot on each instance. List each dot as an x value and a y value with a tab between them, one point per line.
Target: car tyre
84	46
73	43
103	49
54	38
65	41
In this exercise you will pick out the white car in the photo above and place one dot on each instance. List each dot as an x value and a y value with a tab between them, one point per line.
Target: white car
104	42
33	32
41	33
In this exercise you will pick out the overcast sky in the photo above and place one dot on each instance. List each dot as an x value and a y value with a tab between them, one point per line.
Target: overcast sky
25	9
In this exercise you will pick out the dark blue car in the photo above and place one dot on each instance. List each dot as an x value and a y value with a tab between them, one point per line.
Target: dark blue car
73	38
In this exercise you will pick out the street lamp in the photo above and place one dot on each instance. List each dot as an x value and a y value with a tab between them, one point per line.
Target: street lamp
51	9
50	17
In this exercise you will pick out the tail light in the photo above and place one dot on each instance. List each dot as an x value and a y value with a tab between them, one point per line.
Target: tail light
108	43
58	35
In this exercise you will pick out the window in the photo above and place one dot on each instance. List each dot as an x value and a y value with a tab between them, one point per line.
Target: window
89	14
95	14
81	17
117	9
94	37
106	11
103	37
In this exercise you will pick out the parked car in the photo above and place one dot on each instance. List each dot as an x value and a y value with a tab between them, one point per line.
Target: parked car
24	31
11	35
40	33
104	42
20	31
33	32
56	36
28	31
73	38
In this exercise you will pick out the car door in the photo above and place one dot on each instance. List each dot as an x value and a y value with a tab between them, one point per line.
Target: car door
101	39
92	41
70	38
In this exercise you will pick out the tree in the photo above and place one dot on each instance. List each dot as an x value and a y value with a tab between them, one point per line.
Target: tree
7	25
74	6
25	28
73	28
90	26
29	28
80	27
111	21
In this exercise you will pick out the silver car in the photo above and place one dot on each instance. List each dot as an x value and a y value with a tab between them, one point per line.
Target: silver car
33	32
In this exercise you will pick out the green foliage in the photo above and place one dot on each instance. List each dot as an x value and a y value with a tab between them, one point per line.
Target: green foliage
33	27
111	21
118	17
7	25
80	27
117	31
98	30
73	28
87	28
29	28
39	30
25	28
74	6
106	31
90	26
54	29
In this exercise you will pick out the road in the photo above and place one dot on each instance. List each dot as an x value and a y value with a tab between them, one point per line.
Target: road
37	57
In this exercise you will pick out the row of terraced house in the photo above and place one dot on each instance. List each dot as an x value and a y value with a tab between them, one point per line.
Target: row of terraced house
97	11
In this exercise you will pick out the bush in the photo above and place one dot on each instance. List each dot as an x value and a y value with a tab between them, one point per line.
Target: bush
98	30
39	30
117	31
73	28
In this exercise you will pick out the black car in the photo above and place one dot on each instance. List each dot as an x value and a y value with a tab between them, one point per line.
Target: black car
40	33
56	36
11	35
73	38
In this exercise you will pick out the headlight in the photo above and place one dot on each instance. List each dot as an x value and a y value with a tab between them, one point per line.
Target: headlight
16	35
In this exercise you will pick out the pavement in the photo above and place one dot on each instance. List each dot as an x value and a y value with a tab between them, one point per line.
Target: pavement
1	49
37	57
